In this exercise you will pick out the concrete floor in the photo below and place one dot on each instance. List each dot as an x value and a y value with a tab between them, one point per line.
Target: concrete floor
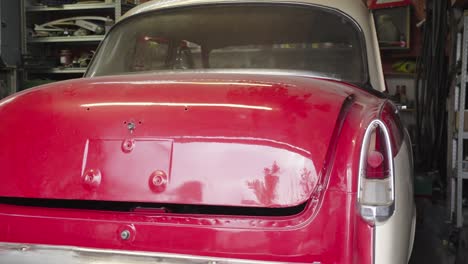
433	235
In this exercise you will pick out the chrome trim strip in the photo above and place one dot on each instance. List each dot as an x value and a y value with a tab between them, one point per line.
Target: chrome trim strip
13	253
274	72
374	238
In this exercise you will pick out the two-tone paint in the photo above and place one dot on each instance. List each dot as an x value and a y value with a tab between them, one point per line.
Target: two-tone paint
241	140
296	140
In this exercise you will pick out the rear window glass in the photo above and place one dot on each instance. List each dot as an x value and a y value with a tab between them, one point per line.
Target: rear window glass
235	36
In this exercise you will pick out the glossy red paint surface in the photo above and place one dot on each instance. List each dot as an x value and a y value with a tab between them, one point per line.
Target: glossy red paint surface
224	139
329	237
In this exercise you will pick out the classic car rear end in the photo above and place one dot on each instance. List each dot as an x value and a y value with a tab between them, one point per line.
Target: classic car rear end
257	145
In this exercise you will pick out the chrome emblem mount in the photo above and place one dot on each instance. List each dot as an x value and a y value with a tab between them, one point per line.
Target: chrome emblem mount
131	126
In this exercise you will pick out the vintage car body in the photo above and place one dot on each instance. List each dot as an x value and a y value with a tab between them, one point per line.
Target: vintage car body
207	166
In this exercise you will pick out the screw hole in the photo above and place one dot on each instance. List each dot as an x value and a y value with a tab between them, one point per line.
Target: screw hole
125	122
125	235
139	122
87	109
186	108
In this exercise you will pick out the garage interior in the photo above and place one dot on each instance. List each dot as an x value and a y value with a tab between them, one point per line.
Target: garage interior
424	52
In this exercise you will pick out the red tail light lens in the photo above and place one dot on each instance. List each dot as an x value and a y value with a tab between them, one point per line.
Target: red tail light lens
377	158
376	193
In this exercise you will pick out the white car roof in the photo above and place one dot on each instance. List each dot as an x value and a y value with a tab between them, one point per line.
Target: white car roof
353	8
356	9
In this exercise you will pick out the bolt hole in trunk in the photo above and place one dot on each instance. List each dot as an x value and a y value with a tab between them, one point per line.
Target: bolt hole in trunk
149	208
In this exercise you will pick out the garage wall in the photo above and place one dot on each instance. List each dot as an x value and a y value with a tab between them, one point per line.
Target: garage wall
10	31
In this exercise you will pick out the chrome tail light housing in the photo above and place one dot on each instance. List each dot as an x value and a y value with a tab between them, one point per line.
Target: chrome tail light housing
376	183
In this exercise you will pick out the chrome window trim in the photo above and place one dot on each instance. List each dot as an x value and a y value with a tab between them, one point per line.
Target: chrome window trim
14	253
273	72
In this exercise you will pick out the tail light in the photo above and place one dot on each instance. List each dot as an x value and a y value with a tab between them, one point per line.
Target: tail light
376	193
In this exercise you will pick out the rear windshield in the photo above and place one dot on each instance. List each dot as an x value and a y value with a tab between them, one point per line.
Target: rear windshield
254	36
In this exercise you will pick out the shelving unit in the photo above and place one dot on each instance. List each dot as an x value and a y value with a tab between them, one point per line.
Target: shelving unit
46	50
79	70
400	75
407	112
71	7
97	38
392	55
457	174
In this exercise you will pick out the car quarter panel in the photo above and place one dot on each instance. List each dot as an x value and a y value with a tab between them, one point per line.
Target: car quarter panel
394	238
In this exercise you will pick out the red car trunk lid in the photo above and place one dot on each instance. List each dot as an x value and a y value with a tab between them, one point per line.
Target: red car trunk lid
224	139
